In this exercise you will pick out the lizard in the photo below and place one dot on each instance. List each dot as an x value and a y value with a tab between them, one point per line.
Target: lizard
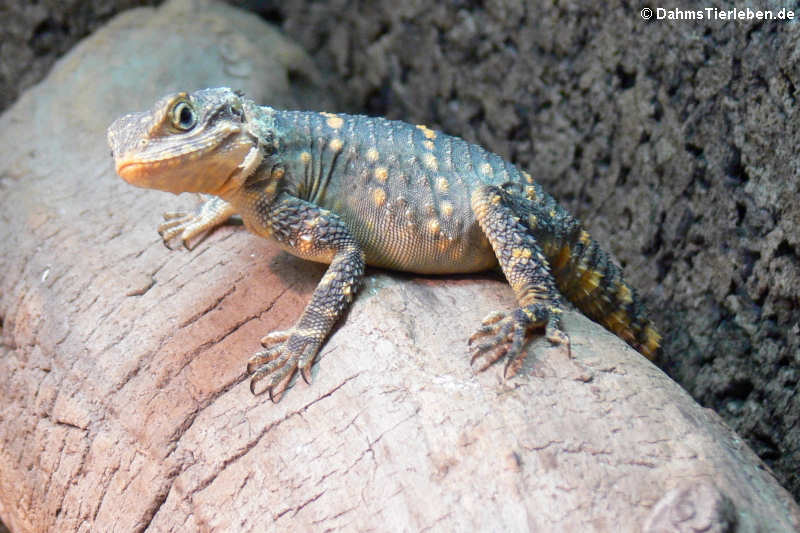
351	191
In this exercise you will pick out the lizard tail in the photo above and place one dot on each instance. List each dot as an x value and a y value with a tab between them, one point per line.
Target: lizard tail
587	277
584	273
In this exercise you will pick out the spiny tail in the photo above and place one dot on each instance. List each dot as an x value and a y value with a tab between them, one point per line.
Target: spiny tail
584	273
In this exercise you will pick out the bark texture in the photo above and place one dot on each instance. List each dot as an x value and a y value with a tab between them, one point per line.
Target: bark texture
123	402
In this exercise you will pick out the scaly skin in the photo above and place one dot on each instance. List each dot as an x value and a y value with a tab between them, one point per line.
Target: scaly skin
352	190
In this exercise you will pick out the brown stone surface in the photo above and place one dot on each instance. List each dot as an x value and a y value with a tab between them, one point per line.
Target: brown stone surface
123	402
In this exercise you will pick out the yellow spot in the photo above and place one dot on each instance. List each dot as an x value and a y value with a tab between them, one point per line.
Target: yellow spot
530	192
271	188
306	244
618	321
552	213
336	144
429	133
381	173
590	280
584	238
495	199
277	173
307	333
313	222
563	256
428	145
624	294
532	221
372	155
335	122
442	184
486	168
521	252
434	226
430	161
527	177
447	209
305	157
379	196
519	285
651	343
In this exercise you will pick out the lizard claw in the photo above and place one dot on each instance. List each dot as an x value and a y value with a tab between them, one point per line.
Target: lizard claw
502	335
506	334
285	353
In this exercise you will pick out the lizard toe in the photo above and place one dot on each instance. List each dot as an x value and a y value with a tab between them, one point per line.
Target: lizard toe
275	337
286	352
274	378
489	326
495	335
262	358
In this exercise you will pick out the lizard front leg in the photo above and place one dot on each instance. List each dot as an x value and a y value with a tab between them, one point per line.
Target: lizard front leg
208	215
310	232
528	273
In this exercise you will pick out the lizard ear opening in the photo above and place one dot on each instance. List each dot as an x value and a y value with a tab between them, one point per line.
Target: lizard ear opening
183	115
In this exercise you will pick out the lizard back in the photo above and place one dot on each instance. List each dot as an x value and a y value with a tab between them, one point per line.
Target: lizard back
403	189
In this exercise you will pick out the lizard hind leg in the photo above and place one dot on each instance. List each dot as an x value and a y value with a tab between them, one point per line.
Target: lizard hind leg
528	273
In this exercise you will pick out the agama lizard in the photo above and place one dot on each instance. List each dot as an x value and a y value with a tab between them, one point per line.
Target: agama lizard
353	190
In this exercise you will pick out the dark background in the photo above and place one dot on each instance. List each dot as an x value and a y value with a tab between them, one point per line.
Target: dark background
675	142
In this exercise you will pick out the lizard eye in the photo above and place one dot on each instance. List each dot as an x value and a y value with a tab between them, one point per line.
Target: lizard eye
183	116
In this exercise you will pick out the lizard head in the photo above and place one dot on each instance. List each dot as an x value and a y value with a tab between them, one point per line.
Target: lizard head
194	142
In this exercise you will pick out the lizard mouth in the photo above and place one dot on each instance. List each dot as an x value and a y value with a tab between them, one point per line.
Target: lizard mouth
151	174
168	165
135	171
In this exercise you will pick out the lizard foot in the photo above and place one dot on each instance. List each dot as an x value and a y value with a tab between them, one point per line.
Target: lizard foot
285	352
506	334
189	224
